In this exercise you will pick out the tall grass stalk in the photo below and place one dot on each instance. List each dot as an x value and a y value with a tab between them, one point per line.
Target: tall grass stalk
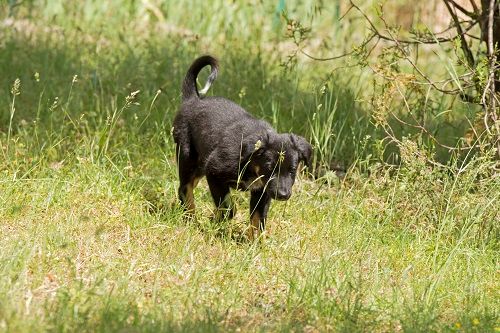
15	91
321	128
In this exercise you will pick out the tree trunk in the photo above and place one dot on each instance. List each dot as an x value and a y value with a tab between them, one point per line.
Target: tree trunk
492	41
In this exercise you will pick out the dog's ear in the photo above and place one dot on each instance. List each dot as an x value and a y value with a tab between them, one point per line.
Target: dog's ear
303	147
254	146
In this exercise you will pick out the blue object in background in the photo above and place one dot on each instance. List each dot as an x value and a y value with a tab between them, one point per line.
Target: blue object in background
277	17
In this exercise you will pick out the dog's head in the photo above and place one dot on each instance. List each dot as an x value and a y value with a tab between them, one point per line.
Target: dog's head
275	158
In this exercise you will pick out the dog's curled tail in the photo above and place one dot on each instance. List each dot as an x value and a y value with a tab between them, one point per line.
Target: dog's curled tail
189	88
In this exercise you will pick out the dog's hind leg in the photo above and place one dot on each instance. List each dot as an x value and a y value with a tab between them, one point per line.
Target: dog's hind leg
186	194
188	178
222	200
259	206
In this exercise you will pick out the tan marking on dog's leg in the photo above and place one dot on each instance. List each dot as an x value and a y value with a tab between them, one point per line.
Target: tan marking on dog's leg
196	180
256	169
254	227
190	206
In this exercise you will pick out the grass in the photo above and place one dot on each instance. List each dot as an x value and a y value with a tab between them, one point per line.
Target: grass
92	234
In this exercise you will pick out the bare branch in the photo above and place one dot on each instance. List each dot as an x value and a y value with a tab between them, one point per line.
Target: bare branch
476	9
419	126
471	24
346	12
420	72
463	10
325	59
368	40
463	42
435	40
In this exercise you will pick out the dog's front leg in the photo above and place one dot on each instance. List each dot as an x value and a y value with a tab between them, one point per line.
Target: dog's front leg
259	206
224	207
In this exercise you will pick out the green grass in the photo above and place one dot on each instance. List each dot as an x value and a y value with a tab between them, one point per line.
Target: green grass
92	236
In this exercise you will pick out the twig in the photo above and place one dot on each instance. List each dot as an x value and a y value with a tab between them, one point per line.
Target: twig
346	12
420	126
476	9
463	42
325	59
369	39
463	10
417	40
420	72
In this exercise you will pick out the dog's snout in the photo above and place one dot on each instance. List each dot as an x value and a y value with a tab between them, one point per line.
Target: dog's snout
283	194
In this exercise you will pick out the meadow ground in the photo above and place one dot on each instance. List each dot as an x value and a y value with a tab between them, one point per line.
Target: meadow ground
92	236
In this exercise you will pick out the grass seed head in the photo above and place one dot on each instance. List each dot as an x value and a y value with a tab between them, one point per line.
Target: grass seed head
131	98
258	144
16	87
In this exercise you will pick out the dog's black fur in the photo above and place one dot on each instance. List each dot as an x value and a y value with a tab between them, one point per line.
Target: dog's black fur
218	139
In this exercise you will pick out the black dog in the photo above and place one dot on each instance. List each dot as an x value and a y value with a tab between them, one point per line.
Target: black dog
218	139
